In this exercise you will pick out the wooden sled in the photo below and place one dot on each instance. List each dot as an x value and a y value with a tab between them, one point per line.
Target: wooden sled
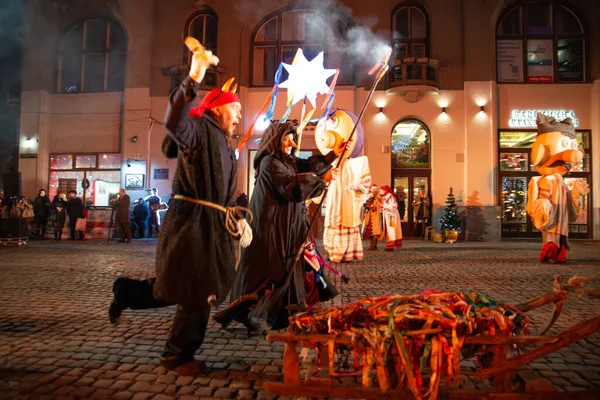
393	381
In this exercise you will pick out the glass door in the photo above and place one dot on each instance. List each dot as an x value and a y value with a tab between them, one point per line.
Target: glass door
406	187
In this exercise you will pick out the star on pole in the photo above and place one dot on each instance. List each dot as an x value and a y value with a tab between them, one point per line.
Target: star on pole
306	78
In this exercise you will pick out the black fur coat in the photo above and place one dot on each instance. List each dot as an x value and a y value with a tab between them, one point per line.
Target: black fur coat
195	256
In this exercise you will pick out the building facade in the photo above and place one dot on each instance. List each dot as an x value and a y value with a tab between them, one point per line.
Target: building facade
456	110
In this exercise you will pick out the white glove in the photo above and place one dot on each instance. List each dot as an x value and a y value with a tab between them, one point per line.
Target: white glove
245	232
581	187
202	59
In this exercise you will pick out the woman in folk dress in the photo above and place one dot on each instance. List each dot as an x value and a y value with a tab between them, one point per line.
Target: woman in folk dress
372	223
391	219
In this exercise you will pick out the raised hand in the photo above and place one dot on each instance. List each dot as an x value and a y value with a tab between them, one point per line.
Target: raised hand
201	59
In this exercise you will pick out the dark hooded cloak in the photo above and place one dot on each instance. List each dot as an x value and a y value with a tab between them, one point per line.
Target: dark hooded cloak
283	183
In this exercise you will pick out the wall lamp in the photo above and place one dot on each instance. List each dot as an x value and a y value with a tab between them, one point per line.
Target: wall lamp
134	139
482	108
443	110
380	109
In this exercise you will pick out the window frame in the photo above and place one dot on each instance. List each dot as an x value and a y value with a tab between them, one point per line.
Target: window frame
206	12
555	37
59	53
424	126
426	40
279	43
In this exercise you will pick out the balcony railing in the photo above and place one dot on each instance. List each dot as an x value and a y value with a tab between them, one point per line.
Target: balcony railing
411	71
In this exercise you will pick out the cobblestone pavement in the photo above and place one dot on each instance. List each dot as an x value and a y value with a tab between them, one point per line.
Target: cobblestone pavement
56	340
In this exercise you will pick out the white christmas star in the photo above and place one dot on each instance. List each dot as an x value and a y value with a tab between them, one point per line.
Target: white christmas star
306	79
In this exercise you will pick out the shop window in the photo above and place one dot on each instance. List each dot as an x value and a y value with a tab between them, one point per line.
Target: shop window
91	58
410	145
87	161
514	204
109	161
96	177
553	39
280	34
61	161
516	172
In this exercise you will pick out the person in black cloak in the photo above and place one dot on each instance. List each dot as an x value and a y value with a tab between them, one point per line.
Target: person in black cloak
195	257
269	278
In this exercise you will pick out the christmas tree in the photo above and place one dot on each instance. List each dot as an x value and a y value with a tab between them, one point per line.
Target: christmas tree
450	221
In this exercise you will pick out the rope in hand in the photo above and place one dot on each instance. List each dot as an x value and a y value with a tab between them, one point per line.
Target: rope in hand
232	215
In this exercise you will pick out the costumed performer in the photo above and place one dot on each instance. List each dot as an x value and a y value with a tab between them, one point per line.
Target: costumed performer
392	224
269	277
347	192
550	203
373	224
195	257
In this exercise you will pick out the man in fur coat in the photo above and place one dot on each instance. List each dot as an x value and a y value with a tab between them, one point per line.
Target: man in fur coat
195	256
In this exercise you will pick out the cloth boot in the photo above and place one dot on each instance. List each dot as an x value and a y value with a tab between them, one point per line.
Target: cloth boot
134	294
186	336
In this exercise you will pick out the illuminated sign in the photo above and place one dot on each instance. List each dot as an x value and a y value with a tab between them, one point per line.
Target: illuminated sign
527	118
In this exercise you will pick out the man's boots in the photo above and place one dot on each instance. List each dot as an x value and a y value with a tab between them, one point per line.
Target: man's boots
134	294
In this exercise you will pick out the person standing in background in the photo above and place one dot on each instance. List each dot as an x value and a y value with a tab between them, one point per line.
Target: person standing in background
140	217
422	207
74	211
153	202
59	205
123	216
401	198
41	208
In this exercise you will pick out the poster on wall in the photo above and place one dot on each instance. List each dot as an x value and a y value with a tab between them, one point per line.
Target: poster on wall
161	173
540	66
134	181
510	60
570	56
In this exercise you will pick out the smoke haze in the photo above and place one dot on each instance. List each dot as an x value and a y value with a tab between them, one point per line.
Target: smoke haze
360	41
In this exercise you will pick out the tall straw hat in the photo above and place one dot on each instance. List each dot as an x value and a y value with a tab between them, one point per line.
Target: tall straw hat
335	129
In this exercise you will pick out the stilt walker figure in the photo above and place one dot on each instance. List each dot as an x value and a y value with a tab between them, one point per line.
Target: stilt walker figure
550	203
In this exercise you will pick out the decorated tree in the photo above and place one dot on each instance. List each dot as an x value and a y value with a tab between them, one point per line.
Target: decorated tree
450	221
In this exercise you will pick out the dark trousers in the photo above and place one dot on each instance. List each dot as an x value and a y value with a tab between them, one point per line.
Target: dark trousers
141	232
125	231
187	332
74	233
189	324
150	230
40	222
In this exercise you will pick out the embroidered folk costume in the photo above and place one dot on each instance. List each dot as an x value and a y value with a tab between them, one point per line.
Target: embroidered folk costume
345	196
372	226
550	203
392	226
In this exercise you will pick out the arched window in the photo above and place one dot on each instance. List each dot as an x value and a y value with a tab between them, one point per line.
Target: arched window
91	58
277	37
202	25
541	42
410	31
410	145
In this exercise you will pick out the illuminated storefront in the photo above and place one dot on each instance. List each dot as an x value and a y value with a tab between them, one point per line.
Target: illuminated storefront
96	177
515	172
